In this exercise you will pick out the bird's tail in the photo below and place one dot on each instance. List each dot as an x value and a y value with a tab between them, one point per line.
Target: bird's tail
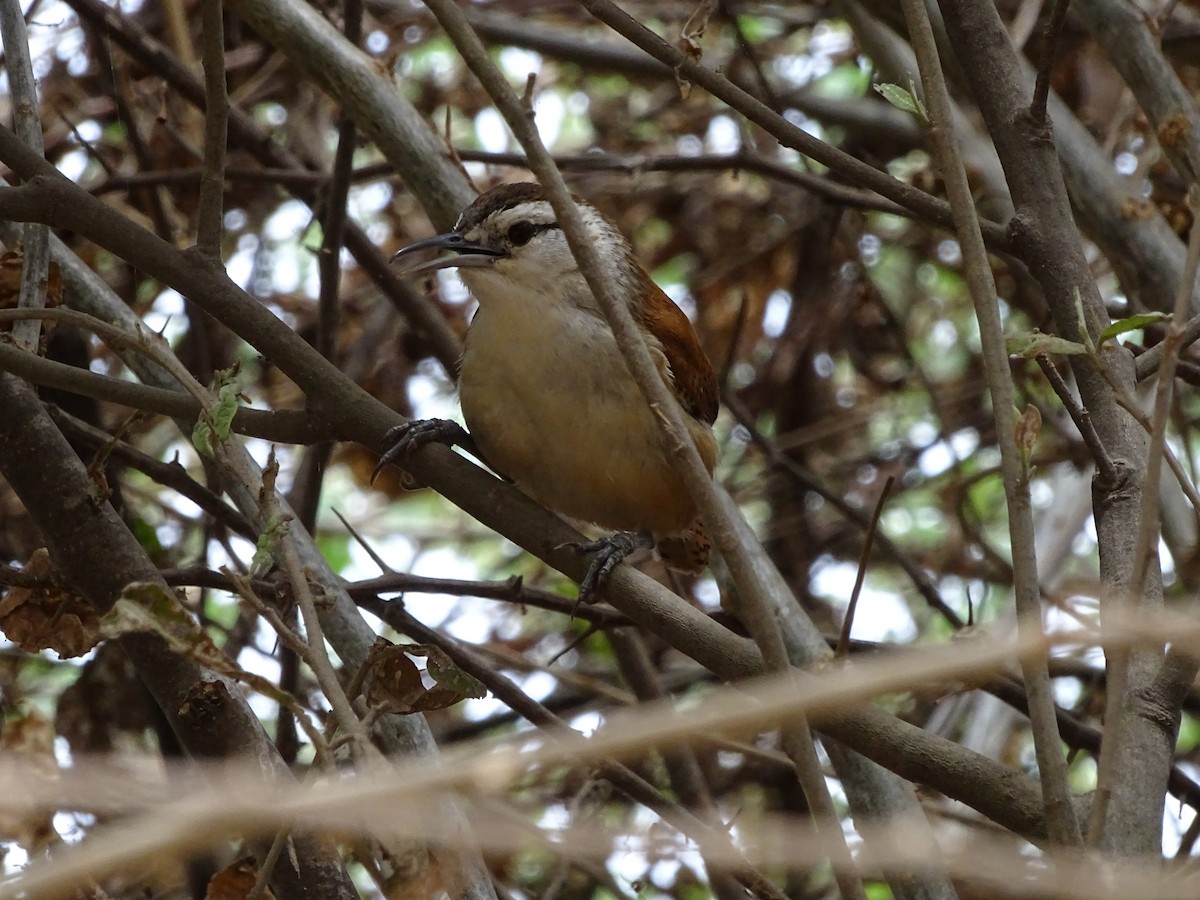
688	550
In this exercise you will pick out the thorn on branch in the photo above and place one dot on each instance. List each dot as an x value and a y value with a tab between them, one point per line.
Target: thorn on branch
527	97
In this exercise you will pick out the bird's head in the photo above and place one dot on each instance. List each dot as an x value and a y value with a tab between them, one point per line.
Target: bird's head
509	240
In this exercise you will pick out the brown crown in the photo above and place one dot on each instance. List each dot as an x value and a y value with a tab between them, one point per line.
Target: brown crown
499	198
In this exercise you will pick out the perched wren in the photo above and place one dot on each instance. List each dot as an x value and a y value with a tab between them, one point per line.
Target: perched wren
545	391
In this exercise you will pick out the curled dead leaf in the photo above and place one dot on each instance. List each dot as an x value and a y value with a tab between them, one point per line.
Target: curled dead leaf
48	618
235	881
393	680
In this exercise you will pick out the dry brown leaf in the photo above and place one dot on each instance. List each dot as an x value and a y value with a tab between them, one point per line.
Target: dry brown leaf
235	881
48	618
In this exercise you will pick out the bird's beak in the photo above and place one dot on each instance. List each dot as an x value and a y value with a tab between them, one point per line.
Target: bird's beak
466	254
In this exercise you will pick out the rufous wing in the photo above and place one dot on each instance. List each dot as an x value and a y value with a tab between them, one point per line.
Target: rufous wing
691	373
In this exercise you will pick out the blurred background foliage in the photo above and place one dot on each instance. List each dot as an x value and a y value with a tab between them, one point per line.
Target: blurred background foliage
844	339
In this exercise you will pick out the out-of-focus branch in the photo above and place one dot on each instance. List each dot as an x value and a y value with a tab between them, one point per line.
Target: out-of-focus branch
555	728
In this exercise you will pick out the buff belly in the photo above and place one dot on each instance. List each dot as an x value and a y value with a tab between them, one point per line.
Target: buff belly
552	406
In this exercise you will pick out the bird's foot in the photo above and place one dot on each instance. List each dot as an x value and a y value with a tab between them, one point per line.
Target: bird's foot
609	552
411	436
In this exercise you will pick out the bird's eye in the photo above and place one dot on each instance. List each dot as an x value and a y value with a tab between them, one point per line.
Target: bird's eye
521	233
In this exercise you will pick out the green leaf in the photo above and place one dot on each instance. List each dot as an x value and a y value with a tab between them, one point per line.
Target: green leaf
264	548
1189	734
147	537
898	97
1034	344
225	410
335	547
144	606
442	670
758	28
904	99
148	607
215	425
202	437
1133	323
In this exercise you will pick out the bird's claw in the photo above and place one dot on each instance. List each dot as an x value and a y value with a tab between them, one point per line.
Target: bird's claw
609	553
408	437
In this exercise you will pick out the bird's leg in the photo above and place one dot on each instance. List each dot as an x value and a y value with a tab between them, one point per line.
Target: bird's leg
609	552
410	436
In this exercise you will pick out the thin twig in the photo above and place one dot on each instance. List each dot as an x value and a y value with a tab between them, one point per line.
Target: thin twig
739	161
216	126
808	481
267	866
169	474
1082	420
317	656
336	192
23	99
1041	89
853	170
512	591
843	646
742	160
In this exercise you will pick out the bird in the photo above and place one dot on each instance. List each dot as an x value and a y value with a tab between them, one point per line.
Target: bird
545	392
